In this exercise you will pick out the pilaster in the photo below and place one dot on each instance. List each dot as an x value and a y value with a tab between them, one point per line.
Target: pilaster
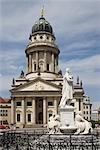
30	63
23	112
37	60
12	111
55	105
45	61
53	62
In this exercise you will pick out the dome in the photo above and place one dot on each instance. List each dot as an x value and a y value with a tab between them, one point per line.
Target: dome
42	25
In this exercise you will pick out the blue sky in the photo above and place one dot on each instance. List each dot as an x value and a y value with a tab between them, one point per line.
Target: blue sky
76	27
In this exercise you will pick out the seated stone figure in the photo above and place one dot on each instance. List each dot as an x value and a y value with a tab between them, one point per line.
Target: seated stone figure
83	126
54	124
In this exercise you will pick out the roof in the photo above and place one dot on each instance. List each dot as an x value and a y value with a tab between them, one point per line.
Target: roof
4	100
42	25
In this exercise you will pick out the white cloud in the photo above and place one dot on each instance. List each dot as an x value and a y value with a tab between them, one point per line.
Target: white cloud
5	83
67	17
11	61
87	68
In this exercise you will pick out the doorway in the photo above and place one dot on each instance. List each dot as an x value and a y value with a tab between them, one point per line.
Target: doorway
39	110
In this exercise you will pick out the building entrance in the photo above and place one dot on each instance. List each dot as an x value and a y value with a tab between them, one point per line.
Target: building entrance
39	110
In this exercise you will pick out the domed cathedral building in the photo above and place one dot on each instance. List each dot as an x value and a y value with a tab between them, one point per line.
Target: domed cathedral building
36	94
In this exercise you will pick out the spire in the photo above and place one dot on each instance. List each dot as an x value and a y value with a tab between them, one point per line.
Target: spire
42	12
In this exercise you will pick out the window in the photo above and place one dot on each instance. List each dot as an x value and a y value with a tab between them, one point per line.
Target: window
5	122
50	115
29	103
47	67
72	104
18	117
3	112
84	112
18	103
87	112
86	107
50	103
47	38
41	37
35	38
34	67
29	117
79	104
41	66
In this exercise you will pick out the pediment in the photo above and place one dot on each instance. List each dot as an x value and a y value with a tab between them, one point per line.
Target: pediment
38	85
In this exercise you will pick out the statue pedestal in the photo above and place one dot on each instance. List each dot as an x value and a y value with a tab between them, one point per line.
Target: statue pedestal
67	119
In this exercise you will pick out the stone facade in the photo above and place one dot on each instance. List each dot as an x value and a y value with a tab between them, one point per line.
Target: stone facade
87	108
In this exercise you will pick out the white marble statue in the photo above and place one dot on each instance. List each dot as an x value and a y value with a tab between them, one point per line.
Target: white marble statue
54	124
67	90
83	126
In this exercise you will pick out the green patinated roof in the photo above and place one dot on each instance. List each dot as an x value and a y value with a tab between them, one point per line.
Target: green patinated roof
42	25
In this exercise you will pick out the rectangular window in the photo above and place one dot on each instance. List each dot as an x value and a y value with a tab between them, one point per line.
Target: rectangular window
72	104
50	103
18	103
87	112
29	117
18	117
47	67
29	103
86	107
79	104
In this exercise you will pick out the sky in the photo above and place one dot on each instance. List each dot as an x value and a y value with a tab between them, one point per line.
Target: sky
76	25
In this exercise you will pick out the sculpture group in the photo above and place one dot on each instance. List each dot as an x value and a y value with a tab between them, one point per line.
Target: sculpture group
57	122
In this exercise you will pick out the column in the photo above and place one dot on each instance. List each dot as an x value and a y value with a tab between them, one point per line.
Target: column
53	62
82	106
27	67
45	61
23	112
37	58
55	105
44	111
55	65
34	111
12	111
30	63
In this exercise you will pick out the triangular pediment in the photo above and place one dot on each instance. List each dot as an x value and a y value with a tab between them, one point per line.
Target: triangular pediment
38	85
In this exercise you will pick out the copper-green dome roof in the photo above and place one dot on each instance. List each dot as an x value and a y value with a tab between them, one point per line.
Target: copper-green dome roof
42	25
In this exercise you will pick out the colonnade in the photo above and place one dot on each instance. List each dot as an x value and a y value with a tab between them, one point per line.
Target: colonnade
23	110
53	61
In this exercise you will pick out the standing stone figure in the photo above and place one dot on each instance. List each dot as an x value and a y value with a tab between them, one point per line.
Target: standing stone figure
67	90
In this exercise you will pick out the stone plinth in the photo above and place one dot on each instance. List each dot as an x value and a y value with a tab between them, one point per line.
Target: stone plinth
67	119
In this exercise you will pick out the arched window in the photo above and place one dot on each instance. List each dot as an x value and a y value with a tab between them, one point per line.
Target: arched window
34	66
41	65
